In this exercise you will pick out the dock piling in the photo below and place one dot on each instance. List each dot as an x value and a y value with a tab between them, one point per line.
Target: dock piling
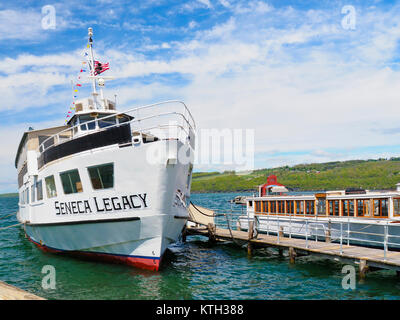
363	268
249	238
292	255
211	232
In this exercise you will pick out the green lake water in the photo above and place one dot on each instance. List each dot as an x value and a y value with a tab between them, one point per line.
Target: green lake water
191	270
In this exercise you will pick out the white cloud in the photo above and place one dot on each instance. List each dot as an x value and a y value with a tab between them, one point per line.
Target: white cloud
24	25
207	3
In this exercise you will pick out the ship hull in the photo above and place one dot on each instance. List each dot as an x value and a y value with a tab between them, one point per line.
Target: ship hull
116	241
133	223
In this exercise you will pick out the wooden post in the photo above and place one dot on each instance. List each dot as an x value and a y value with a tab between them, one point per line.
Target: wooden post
292	255
250	236
328	233
281	235
237	225
363	267
211	232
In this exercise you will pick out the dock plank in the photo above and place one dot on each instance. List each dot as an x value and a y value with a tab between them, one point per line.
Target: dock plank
9	292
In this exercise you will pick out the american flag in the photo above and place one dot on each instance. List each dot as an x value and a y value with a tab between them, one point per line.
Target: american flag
100	67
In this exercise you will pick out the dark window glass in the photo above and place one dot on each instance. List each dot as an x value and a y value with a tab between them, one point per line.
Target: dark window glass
39	190
106	122
71	181
360	208
33	193
102	177
384	207
85	118
321	207
273	206
51	187
396	205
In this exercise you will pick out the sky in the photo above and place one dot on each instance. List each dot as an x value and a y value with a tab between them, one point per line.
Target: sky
315	81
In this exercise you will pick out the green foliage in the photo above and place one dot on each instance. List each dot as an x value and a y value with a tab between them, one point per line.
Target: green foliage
368	174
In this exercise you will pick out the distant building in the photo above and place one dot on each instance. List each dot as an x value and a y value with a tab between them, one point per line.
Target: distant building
272	186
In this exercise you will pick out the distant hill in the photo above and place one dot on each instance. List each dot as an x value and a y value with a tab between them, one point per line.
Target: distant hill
5	195
368	174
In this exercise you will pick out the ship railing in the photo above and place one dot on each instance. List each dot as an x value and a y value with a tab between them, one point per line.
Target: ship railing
316	229
151	120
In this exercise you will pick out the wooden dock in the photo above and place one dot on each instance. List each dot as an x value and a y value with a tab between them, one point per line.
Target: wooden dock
366	258
8	292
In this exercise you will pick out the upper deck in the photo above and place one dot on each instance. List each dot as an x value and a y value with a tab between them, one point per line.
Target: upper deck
91	129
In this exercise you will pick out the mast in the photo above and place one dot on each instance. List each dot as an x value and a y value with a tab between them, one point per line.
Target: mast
94	93
100	79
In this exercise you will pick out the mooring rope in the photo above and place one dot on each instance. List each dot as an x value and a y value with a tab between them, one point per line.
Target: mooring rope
205	214
230	231
9	215
13	225
219	215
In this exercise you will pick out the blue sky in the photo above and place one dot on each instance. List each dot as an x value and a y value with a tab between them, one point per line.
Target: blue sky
311	89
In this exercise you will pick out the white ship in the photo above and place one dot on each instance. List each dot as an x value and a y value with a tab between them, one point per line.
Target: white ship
108	184
352	216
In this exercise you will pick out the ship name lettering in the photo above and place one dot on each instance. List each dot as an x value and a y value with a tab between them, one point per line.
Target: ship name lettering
134	201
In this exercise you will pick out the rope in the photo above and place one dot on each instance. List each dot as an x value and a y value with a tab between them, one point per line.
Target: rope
219	215
205	214
13	225
230	231
9	215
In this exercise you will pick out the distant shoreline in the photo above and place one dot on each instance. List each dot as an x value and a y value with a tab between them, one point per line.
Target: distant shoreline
9	195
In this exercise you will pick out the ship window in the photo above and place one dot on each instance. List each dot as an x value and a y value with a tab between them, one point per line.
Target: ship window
333	207
265	206
380	208
85	118
396	206
258	206
122	118
299	207
310	207
71	181
102	177
106	122
33	193
348	208
39	190
272	206
321	207
51	187
27	195
281	206
290	207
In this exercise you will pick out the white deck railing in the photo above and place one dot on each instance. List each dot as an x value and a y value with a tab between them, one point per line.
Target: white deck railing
164	120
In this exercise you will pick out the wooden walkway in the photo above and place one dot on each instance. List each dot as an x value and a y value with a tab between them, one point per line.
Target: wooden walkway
366	258
8	292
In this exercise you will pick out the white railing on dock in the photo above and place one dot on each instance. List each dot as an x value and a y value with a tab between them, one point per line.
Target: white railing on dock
314	229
